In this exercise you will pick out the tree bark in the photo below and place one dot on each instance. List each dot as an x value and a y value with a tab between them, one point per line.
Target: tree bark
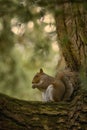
23	115
71	19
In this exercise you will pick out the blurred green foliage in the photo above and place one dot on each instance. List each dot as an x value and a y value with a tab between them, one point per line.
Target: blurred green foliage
24	48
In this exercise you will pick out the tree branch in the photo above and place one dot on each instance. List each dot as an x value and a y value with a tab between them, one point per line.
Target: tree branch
28	115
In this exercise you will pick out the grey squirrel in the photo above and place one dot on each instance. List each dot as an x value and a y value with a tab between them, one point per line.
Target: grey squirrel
53	88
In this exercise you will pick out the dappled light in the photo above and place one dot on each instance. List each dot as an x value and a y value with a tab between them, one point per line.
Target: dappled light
31	48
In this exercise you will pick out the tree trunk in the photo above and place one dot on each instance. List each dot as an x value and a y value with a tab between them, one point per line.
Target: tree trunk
71	21
23	115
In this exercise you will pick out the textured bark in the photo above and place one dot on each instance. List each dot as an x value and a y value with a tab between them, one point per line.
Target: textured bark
71	19
23	115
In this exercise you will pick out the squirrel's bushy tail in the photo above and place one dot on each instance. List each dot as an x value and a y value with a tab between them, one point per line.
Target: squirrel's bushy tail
69	79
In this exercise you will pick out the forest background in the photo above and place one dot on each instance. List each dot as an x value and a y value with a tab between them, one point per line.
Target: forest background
28	42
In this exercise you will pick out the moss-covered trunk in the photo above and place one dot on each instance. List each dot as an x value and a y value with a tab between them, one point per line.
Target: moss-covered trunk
71	23
23	115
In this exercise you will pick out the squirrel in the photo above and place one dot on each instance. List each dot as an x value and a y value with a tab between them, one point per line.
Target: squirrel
57	88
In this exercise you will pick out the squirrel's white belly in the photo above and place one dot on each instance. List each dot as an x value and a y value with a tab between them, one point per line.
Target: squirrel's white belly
48	94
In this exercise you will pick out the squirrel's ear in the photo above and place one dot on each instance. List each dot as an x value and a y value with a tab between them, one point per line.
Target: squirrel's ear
41	70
